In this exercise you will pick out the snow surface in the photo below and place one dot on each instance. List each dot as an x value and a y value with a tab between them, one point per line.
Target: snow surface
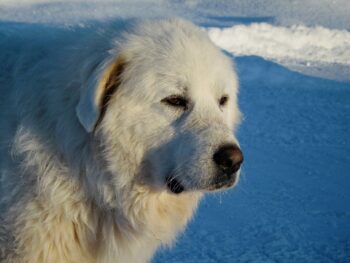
299	42
293	201
306	47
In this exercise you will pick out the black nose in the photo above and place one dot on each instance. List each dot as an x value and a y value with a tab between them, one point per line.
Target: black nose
228	158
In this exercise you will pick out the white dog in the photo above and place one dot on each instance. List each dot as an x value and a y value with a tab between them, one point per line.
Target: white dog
109	137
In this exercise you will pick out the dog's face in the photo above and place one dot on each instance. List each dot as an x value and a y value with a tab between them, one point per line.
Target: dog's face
174	110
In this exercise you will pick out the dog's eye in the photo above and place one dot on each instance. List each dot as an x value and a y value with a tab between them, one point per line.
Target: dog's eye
223	100
176	101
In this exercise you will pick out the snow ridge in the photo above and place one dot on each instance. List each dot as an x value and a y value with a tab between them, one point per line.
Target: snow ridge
298	42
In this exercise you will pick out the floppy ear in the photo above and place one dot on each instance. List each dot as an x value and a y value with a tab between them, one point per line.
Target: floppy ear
95	97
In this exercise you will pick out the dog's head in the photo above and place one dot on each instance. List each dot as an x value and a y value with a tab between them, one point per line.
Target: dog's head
165	107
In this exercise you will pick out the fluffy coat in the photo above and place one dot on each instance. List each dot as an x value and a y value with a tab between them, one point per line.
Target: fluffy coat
81	172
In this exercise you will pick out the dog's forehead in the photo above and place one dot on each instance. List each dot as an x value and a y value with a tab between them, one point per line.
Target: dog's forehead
179	58
198	76
199	66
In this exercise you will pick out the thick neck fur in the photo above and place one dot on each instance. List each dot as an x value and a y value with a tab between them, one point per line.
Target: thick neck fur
86	221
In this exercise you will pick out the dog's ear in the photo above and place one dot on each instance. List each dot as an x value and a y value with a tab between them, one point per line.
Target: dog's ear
95	97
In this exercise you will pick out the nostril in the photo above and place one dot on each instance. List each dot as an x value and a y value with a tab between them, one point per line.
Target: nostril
236	167
229	158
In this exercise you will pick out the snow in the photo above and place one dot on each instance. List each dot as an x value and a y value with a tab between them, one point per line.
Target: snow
293	61
302	46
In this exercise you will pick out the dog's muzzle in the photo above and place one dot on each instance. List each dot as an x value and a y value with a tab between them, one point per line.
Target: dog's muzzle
228	160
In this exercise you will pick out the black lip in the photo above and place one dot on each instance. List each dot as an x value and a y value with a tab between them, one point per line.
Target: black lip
174	185
227	182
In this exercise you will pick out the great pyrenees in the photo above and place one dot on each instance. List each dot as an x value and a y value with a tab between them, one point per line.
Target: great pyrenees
109	137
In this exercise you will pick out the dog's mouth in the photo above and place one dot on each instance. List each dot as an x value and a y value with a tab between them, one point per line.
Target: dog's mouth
220	183
174	185
223	182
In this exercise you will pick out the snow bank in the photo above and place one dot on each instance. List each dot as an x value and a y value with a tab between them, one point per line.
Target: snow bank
297	47
310	44
306	44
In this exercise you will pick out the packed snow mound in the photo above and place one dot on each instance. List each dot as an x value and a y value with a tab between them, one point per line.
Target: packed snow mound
309	44
295	47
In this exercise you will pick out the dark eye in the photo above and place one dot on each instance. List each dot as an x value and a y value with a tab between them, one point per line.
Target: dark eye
223	100
176	101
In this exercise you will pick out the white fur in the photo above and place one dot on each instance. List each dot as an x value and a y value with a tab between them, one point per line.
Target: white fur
78	189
